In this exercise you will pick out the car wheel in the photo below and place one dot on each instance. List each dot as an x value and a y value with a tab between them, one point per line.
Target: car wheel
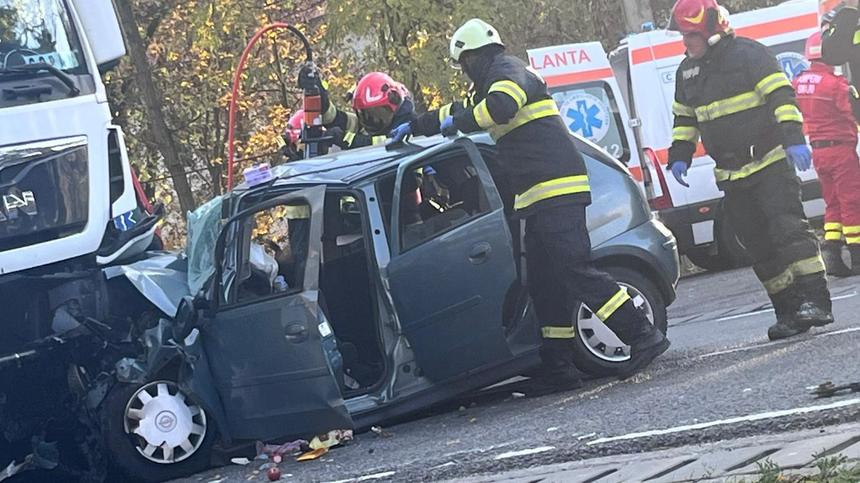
597	350
156	432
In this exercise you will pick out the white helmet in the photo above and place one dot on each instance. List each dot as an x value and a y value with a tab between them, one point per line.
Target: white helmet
474	34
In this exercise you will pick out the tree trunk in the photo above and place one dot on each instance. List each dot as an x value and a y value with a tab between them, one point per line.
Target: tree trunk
151	96
636	13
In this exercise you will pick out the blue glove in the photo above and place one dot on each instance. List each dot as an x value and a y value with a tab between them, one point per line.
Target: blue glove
447	127
679	171
800	156
399	133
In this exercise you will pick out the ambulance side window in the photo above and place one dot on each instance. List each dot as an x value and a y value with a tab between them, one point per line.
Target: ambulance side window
590	110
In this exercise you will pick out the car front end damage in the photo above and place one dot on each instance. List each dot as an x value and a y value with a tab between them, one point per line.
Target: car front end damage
71	339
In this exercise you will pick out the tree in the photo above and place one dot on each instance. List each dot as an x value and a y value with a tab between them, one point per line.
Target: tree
151	97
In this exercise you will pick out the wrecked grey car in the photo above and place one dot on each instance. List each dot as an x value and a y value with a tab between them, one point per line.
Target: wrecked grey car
351	289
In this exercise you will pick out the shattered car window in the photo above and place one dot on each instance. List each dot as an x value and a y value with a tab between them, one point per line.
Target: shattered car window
204	225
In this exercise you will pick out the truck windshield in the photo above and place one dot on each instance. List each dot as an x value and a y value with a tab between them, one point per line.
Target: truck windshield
39	31
590	110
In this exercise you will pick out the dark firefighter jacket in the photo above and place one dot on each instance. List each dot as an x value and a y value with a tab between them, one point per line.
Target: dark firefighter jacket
738	99
537	159
840	44
347	130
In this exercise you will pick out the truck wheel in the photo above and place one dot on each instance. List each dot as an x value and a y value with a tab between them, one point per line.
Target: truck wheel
597	350
155	432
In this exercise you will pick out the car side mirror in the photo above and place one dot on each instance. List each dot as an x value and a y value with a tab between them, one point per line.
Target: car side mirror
186	318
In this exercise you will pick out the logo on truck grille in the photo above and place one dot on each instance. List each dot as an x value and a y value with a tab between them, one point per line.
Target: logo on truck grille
16	202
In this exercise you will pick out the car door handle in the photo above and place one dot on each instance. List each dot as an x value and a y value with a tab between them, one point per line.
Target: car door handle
480	252
296	333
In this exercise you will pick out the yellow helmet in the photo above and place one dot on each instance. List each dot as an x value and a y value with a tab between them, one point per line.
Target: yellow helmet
474	34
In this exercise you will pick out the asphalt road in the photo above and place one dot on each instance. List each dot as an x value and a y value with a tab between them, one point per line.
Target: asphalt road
721	379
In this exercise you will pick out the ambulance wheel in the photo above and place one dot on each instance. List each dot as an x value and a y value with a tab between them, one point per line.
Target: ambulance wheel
597	350
155	432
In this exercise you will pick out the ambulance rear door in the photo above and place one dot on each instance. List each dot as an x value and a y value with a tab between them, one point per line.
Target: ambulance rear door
581	81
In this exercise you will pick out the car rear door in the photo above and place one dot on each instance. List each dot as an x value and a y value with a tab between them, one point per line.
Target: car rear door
265	341
452	268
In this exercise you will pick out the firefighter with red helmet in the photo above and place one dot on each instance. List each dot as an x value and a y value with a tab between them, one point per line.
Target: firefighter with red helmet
291	141
378	104
825	99
731	92
546	185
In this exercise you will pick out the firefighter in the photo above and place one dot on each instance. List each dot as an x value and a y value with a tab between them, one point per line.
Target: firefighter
824	99
731	91
541	165
291	141
379	103
841	42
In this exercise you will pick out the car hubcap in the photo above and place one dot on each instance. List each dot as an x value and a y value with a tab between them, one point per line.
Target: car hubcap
599	339
167	426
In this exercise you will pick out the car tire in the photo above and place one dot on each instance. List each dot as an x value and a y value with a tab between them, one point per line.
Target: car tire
126	459
606	362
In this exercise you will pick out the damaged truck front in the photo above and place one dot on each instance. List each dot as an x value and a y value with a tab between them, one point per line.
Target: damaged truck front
75	322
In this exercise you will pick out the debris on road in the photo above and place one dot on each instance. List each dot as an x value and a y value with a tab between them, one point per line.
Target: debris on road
378	431
240	461
517	395
828	389
335	437
312	454
274	474
276	452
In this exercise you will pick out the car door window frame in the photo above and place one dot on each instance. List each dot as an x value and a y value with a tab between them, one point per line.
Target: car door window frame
494	200
314	198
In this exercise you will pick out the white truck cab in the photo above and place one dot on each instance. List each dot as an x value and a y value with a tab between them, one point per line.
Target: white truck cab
622	101
66	187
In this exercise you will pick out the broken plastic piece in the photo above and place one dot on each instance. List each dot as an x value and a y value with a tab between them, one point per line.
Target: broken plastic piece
333	438
312	454
240	461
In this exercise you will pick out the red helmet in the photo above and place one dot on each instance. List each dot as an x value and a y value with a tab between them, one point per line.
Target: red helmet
698	16
375	100
813	46
294	127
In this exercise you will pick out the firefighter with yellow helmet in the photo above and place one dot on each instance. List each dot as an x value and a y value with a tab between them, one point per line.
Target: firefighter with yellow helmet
549	189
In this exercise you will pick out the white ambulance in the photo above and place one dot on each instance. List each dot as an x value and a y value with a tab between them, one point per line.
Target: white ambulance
623	102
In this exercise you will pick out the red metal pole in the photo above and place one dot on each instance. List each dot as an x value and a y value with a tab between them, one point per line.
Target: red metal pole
237	78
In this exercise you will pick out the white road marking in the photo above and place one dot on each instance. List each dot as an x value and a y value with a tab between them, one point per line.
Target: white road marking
765	311
724	422
376	476
777	342
524	452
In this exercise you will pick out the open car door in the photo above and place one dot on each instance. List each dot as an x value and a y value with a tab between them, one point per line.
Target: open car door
452	261
266	339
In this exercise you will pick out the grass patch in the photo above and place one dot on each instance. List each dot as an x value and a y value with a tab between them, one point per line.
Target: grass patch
834	469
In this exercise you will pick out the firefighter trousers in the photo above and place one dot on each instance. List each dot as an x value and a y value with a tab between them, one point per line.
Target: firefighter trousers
839	173
560	274
766	212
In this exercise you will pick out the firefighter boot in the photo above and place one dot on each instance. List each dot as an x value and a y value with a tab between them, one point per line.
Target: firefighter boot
784	304
785	328
644	350
831	251
558	372
854	250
